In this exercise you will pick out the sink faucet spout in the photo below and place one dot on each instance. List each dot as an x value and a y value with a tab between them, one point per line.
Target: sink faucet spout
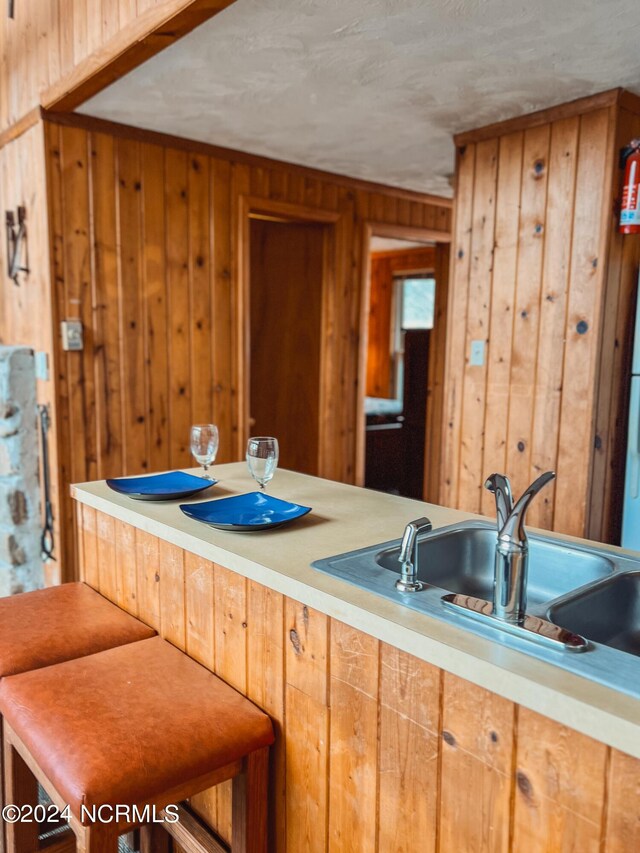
512	549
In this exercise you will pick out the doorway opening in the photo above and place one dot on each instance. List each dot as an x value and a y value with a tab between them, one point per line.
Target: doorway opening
405	329
287	265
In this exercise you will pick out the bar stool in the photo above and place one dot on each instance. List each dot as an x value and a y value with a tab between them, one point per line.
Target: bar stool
135	726
49	626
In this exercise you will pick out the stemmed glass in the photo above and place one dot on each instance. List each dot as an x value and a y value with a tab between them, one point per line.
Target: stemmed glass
204	445
262	458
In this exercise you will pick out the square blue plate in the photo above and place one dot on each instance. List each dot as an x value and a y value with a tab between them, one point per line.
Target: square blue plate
160	487
253	511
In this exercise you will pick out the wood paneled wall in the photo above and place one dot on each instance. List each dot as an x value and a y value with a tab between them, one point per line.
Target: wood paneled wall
604	519
384	266
532	277
25	309
148	251
60	52
375	749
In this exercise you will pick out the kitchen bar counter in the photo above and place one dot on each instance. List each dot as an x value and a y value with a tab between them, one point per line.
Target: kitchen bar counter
345	518
376	704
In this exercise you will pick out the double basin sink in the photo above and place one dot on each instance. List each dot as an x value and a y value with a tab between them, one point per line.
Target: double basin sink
590	591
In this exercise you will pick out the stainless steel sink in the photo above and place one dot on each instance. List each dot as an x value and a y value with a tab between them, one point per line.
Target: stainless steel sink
461	559
589	590
607	613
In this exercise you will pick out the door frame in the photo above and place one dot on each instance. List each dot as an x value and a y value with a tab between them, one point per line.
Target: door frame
254	207
442	240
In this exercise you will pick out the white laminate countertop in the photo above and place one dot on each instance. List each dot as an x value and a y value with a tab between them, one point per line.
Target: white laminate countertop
345	518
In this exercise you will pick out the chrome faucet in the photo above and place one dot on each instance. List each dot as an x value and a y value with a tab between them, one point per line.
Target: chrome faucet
408	580
512	548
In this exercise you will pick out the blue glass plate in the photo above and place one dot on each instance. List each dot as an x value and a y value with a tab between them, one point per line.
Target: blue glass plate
160	487
253	511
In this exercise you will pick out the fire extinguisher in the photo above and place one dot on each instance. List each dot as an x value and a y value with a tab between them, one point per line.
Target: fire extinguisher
630	210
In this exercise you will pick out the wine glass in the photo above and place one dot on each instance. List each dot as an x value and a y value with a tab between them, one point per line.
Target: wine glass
204	445
262	458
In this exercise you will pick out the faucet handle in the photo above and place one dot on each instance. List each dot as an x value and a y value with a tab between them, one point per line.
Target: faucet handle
499	485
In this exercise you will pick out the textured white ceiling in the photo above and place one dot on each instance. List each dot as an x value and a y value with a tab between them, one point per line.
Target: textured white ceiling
375	88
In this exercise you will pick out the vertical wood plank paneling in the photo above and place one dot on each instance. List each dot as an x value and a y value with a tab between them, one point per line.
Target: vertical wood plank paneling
477	327
408	756
456	324
106	535
560	787
201	360
306	650
353	736
177	261
605	513
476	771
148	578
230	596
200	638
505	260
307	728
553	304
132	364
199	606
78	300
126	568
306	747
155	304
265	687
107	307
90	565
526	308
223	311
622	828
577	411
172	594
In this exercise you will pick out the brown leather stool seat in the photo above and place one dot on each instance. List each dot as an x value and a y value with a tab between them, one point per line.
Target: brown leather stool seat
60	623
138	724
48	626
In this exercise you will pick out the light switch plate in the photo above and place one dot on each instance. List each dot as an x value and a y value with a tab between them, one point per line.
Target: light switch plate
71	335
476	358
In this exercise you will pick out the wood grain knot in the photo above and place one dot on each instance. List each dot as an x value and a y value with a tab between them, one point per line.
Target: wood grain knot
521	446
295	641
582	328
494	737
524	785
447	737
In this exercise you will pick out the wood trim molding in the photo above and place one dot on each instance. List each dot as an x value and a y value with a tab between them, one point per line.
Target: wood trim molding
578	107
408	232
126	131
22	126
629	101
146	35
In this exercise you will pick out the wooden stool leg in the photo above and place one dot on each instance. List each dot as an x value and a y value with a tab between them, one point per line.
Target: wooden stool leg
154	839
249	804
2	800
20	788
97	838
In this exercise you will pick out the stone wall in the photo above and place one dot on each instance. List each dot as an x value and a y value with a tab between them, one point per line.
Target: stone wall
20	564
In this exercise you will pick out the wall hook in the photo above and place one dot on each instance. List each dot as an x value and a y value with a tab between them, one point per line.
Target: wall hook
16	242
